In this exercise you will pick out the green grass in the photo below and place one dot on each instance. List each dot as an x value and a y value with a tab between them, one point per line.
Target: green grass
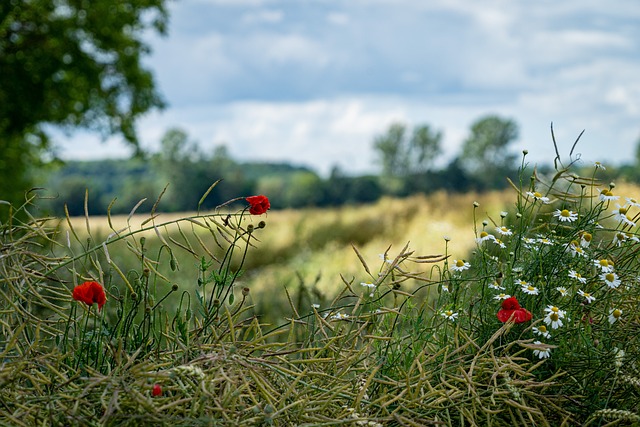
264	320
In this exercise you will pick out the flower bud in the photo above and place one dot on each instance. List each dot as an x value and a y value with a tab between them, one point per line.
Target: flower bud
262	224
245	291
476	204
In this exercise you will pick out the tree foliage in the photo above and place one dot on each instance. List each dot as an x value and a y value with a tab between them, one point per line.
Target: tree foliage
71	63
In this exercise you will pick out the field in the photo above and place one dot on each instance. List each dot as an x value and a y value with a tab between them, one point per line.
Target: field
511	308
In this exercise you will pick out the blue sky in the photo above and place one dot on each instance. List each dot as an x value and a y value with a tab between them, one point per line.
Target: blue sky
313	82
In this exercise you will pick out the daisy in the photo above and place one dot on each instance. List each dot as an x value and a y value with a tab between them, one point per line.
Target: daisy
554	316
504	231
542	354
619	239
542	331
339	316
576	249
545	241
605	265
496	285
587	296
499	243
502	296
575	275
449	315
565	215
607	195
611	280
585	239
460	265
371	287
599	165
530	290
632	202
621	215
537	196
484	236
614	314
384	258
445	287
521	282
563	291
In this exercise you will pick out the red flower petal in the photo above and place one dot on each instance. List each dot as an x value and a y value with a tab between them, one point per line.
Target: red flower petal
89	293
156	390
258	204
510	304
504	315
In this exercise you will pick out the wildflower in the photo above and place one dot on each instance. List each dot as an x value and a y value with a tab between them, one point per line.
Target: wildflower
537	196
371	287
496	285
610	279
574	275
619	238
604	265
90	292
618	355
563	291
607	195
621	215
585	239
503	214
156	390
542	331
339	316
541	353
504	231
499	243
530	289
258	204
484	236
316	306
449	315
587	296
445	287
565	215
554	316
502	296
614	314
460	265
632	202
545	241
576	250
599	165
511	309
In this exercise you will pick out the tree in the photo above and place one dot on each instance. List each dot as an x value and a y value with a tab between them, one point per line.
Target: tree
485	154
73	63
424	148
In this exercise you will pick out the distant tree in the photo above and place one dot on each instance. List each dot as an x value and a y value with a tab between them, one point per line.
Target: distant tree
72	64
402	157
486	156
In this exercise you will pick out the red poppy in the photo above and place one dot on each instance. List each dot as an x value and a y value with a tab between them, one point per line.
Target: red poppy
511	308
258	204
90	292
156	390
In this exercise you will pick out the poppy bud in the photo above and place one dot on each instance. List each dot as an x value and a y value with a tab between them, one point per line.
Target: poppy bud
156	390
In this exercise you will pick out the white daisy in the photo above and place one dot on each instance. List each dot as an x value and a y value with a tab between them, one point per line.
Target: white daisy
621	215
496	285
530	290
607	195
339	316
614	314
587	296
575	275
605	265
576	249
502	296
543	353
449	315
599	165
545	241
632	202
460	265
611	280
445	287
371	287
504	231
499	243
563	291
484	236
537	196
554	316
542	331
565	215
585	239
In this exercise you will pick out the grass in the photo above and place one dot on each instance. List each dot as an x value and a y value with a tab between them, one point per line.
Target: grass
224	318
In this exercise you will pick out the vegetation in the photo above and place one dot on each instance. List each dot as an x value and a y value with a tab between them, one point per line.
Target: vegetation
71	64
414	339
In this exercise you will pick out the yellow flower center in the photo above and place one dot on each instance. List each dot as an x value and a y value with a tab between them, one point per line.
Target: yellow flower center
623	211
555	309
586	295
537	195
632	200
616	313
565	213
542	328
575	243
610	277
459	263
554	317
448	313
531	288
483	234
604	263
587	237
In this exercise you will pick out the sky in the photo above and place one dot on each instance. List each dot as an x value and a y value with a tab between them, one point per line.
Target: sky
313	82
